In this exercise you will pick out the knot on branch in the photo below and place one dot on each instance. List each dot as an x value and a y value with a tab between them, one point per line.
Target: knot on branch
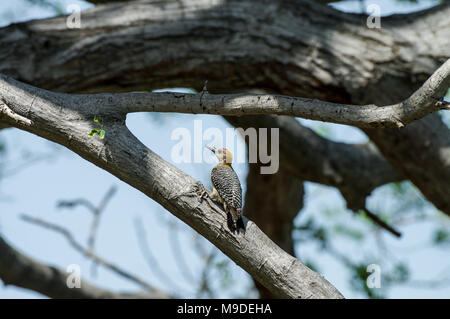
9	114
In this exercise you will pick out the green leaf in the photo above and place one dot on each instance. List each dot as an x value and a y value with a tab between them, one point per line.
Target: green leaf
93	132
102	134
96	119
441	236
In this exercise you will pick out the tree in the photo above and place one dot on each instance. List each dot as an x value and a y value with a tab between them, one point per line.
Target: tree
332	60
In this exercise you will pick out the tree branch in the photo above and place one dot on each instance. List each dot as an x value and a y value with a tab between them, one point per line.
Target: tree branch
96	212
3	126
354	169
381	223
123	103
20	270
420	152
425	100
278	51
88	253
291	48
67	120
151	260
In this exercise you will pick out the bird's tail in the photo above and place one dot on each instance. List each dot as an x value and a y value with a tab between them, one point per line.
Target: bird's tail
239	221
240	224
234	220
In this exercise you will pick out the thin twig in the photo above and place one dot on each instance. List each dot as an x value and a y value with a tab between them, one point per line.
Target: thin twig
175	244
204	283
51	281
76	202
96	212
151	260
377	220
85	252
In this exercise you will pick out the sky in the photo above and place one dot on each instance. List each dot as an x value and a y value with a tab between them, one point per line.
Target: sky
38	173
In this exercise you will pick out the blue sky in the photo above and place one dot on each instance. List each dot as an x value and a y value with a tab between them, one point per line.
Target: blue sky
35	190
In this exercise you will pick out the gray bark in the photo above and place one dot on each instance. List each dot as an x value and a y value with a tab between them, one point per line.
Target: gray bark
290	47
427	99
271	201
355	169
67	120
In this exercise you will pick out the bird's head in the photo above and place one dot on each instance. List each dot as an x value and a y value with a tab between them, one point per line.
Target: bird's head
223	154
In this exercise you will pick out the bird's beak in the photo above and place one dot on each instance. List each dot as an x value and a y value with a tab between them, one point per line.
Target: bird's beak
211	148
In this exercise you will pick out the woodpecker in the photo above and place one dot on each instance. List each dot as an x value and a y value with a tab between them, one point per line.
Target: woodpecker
227	188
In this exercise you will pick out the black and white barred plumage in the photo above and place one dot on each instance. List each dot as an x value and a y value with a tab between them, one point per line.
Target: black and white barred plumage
226	183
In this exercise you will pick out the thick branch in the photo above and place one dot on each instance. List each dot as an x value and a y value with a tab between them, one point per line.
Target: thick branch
421	152
20	270
304	50
297	48
88	253
355	169
425	100
67	120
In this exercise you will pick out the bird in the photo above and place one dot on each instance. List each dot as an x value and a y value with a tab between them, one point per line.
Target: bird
227	188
